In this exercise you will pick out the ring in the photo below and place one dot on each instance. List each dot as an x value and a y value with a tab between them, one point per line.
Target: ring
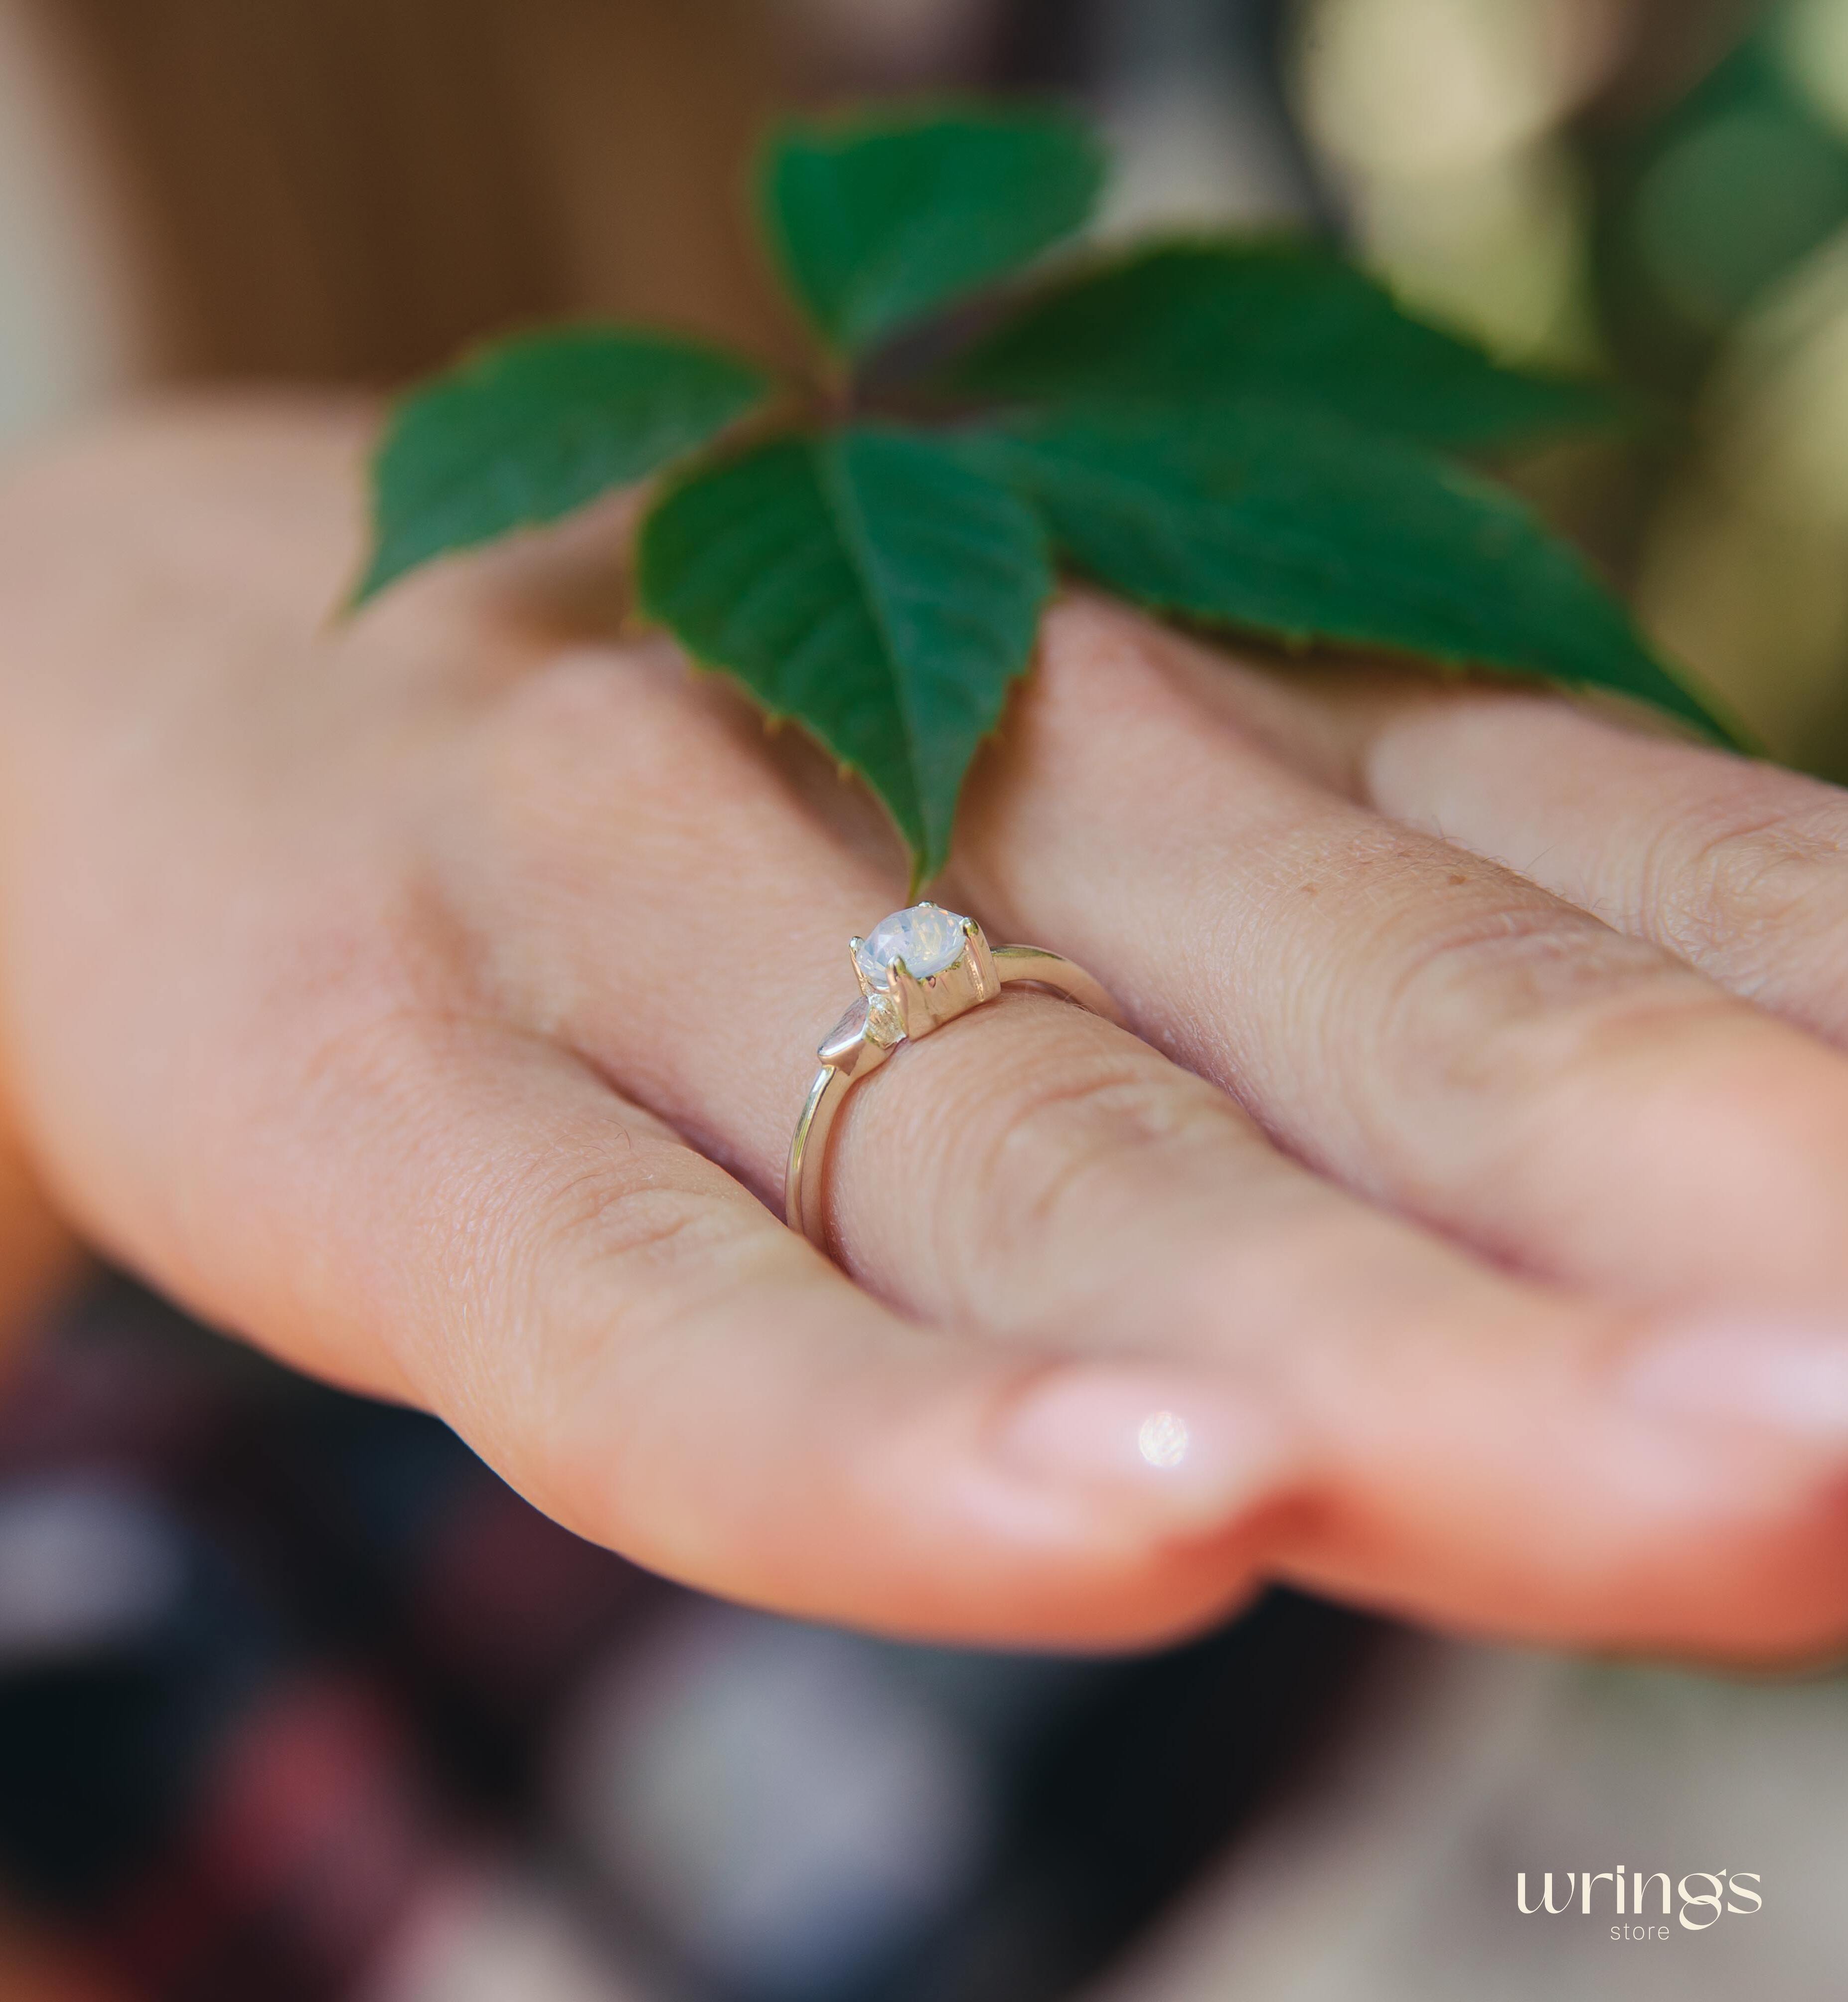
917	970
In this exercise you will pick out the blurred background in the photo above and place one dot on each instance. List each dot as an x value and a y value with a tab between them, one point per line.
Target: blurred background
296	1700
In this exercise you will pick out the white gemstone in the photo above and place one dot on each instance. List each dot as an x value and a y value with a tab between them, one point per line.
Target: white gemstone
926	938
885	1023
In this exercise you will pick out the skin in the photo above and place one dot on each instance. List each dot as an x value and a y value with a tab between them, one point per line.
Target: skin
428	999
39	1259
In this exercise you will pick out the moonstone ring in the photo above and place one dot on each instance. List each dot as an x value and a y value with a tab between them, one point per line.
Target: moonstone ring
917	970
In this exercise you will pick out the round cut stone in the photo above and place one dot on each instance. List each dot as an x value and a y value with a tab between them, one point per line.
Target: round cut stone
926	938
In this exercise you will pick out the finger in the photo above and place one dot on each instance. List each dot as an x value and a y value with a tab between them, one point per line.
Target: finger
1428	1027
1464	1442
633	1341
1738	867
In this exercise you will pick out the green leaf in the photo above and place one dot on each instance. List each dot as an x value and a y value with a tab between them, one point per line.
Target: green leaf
528	430
878	220
1291	523
868	583
1185	324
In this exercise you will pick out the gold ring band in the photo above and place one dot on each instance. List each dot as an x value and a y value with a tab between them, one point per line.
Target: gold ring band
918	970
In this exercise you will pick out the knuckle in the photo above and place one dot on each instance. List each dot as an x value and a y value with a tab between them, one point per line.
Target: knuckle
1742	887
575	1291
1086	1134
623	1237
531	1259
591	718
619	749
1103	1121
1506	998
589	1260
1537	1027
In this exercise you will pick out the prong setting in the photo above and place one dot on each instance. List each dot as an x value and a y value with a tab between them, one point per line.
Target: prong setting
981	961
917	970
921	967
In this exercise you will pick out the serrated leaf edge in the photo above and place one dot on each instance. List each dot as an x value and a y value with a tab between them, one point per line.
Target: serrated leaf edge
475	360
1085	266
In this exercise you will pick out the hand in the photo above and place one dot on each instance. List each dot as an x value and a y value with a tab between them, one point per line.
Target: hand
431	999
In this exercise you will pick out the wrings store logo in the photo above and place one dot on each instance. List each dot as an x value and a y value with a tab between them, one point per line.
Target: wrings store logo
1697	1901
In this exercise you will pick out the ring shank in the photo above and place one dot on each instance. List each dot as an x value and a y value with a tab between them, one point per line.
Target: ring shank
808	1154
803	1187
1027	965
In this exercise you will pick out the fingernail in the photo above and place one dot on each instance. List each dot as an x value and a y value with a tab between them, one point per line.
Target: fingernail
1792	1378
1183	1454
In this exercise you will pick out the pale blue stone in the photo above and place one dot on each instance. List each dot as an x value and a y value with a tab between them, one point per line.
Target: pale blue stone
926	938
